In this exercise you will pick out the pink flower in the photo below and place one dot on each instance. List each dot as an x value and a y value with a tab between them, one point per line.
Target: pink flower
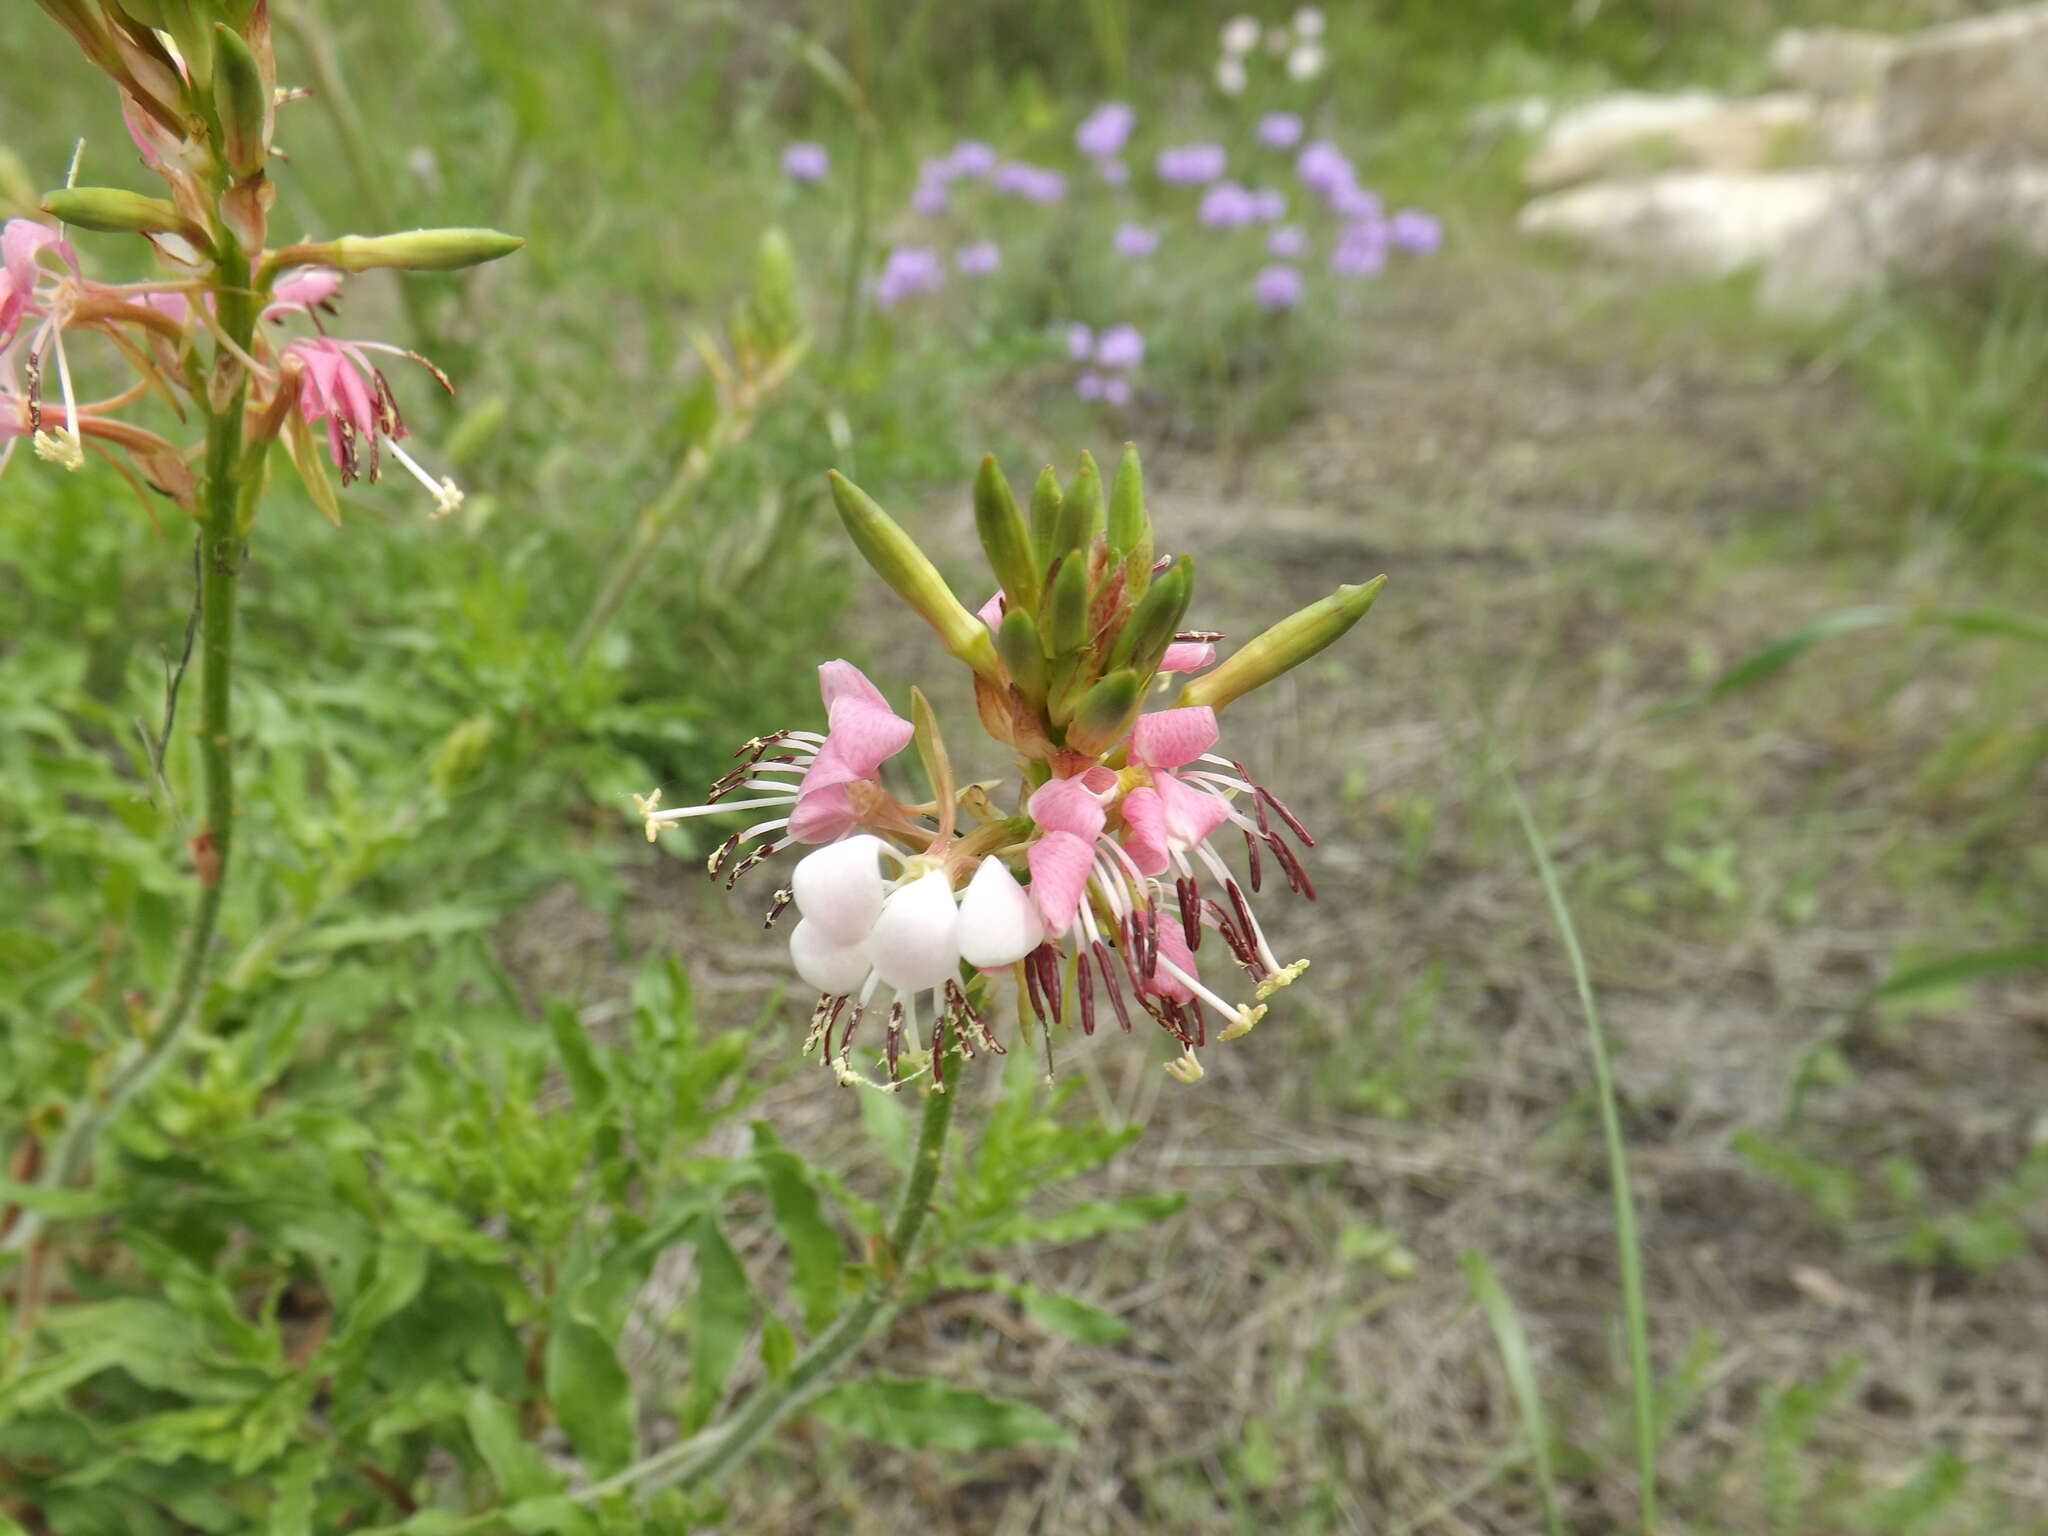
301	292
338	384
20	241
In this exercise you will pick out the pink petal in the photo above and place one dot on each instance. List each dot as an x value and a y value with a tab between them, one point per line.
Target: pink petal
991	612
1173	946
862	732
305	288
1187	656
1146	840
1168	738
1191	814
1068	805
843	680
20	239
1060	863
823	815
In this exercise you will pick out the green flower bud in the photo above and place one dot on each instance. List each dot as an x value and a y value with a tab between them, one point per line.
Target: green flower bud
773	306
1106	711
1081	508
895	558
1066	607
1004	538
1130	530
1045	517
243	102
112	211
416	250
1285	646
1155	620
1023	653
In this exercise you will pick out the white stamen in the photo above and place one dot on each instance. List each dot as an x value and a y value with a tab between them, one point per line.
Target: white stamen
447	495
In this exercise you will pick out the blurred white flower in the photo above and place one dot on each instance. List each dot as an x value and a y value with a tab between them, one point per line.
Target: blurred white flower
1305	62
1308	22
1240	35
1230	75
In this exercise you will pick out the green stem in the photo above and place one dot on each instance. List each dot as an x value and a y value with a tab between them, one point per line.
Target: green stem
220	567
1627	1242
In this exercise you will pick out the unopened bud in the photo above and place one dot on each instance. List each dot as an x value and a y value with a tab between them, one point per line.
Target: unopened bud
1066	607
243	102
83	22
1081	508
772	306
1155	620
114	211
1130	530
416	250
1023	653
1106	711
1285	646
895	558
461	752
1005	539
1045	517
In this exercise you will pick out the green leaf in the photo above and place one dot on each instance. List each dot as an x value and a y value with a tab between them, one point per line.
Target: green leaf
1781	652
426	922
514	1465
816	1254
579	1063
719	1323
401	1270
921	1414
1064	1315
1948	970
1091	1218
1515	1358
591	1394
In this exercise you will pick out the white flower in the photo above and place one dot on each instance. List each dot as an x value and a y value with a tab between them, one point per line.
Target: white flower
999	922
1230	75
834	969
838	889
1305	62
915	944
1240	35
1308	22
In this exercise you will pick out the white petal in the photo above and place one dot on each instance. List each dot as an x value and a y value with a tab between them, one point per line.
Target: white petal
999	922
834	968
839	887
916	941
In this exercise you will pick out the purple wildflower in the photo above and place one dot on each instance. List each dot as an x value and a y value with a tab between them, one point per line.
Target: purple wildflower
805	162
1102	132
930	197
1226	205
1269	205
1413	230
909	269
1033	183
1189	165
1277	286
1288	242
1116	389
1089	386
1121	346
1354	202
1080	342
978	259
1324	168
1361	250
971	157
1115	172
1135	240
1279	130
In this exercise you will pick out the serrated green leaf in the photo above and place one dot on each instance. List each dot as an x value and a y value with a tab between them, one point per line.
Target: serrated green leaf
579	1062
515	1466
1091	1218
816	1254
719	1322
591	1394
917	1413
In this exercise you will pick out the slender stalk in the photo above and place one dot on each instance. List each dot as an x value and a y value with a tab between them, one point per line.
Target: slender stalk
220	567
1628	1244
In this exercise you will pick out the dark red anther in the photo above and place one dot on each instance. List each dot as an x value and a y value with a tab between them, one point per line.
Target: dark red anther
939	1052
777	907
893	1044
720	854
1189	895
1051	982
1251	848
1109	985
1266	796
1297	877
1241	907
749	862
1084	993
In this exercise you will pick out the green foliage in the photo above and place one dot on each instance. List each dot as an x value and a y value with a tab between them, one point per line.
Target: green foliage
928	1415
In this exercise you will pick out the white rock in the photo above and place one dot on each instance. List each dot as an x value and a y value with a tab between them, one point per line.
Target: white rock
1635	131
1970	87
1832	61
1689	223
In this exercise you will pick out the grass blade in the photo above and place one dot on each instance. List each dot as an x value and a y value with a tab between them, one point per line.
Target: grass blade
1628	1245
1506	1323
1947	970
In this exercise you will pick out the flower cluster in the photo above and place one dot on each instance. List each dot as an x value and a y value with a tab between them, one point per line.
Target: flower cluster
199	101
1086	887
1299	45
1114	356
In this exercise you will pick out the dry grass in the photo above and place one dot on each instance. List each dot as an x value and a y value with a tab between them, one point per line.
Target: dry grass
1567	499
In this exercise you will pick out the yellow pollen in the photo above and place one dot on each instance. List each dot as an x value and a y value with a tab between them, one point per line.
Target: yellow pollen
62	447
1280	978
1242	1023
1186	1069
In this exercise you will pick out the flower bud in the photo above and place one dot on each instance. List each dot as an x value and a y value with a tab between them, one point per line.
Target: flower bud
1286	645
113	211
416	250
916	941
1045	517
1155	620
1023	654
83	22
1004	538
772	305
1081	507
999	923
1130	530
895	558
838	888
1106	711
1066	607
243	102
833	968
